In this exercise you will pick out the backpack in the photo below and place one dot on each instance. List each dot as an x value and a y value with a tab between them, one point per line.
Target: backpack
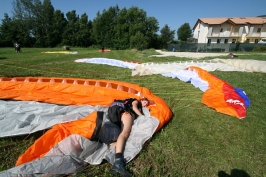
126	104
123	106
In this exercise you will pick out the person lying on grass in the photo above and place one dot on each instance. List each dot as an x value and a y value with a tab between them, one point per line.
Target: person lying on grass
122	113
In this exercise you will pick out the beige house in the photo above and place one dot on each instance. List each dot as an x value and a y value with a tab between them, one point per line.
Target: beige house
230	30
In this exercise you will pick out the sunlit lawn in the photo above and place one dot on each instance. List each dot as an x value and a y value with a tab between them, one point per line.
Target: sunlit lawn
197	142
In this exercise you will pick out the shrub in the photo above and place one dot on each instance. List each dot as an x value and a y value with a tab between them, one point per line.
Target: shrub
259	49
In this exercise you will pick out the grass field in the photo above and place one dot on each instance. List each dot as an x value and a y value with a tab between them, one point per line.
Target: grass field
197	142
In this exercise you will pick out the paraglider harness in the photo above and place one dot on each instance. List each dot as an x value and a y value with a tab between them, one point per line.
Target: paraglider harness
118	107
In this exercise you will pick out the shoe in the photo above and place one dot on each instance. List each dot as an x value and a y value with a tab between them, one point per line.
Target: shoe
119	167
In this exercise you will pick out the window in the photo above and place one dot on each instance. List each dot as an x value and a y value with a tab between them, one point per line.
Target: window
221	30
256	40
258	30
233	41
218	41
228	29
225	41
236	30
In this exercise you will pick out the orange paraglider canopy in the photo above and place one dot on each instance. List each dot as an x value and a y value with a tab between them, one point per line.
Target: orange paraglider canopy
74	91
221	96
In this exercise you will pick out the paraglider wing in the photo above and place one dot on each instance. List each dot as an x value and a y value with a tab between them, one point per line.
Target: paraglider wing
222	96
69	145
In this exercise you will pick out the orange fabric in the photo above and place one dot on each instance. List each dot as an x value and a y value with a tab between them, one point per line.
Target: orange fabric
106	50
74	91
218	93
84	127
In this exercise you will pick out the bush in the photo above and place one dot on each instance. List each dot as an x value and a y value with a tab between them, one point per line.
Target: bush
259	49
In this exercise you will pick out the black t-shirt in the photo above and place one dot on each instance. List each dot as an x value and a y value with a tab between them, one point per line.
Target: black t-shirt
127	106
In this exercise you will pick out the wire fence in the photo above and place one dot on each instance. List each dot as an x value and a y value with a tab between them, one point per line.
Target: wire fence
205	47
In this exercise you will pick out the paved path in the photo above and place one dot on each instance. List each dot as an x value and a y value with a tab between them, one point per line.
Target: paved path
189	54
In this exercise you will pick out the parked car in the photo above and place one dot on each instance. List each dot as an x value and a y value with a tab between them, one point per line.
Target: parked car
263	40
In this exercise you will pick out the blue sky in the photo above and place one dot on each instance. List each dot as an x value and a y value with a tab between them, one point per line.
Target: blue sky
174	13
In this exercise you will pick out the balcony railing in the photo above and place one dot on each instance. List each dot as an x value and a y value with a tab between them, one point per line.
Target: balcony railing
235	34
214	35
263	34
222	34
225	34
253	35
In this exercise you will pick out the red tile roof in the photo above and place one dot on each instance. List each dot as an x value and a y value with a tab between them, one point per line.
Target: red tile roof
234	20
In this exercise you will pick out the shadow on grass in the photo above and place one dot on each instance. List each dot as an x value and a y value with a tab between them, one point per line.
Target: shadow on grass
234	173
2	58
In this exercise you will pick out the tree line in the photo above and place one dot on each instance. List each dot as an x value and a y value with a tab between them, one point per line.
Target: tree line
36	23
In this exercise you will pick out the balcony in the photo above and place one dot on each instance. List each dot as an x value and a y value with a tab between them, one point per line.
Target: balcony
253	35
222	34
263	34
235	34
213	34
225	34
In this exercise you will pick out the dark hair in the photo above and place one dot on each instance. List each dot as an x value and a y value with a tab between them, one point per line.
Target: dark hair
145	99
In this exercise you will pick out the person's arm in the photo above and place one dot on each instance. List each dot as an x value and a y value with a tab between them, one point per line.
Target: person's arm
135	107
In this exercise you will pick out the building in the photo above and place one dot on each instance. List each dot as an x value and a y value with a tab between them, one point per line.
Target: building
230	30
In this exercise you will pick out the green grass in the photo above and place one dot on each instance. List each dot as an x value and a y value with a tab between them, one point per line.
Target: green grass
197	142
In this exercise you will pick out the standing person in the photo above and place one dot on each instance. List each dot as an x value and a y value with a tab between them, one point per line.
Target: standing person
102	48
17	47
123	113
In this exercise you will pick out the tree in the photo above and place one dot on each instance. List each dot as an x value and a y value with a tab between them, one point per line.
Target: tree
42	15
184	32
152	27
72	27
130	24
121	37
139	41
136	18
140	24
22	22
37	23
167	35
34	20
7	33
83	36
59	23
47	23
104	26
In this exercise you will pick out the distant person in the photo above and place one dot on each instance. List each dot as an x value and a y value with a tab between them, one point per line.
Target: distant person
17	47
102	48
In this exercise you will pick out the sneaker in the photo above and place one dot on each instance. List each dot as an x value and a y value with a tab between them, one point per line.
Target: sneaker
119	168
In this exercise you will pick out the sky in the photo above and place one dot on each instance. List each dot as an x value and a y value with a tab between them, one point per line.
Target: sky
174	13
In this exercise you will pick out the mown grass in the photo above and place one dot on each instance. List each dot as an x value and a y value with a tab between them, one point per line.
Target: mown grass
197	142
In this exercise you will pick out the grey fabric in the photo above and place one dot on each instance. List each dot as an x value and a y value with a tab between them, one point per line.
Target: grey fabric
75	151
46	166
25	117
